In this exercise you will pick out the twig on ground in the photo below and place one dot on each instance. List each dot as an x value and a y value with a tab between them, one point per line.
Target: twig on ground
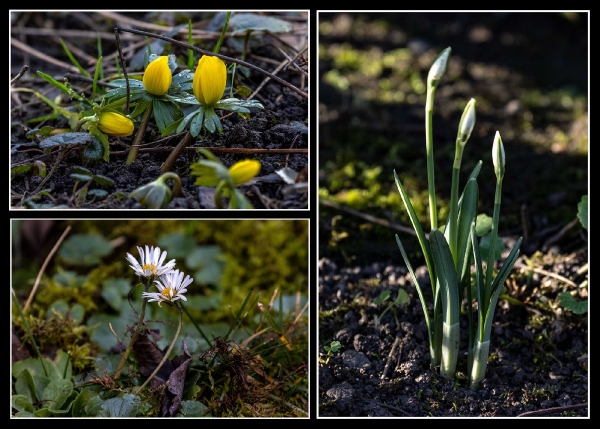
389	360
367	217
43	268
554	410
520	264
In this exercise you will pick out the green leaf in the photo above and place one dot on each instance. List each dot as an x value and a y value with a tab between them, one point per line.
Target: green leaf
402	298
19	169
22	403
102	334
103	180
571	304
192	409
66	139
242	22
383	296
56	393
77	169
209	173
25	386
79	404
484	247
446	275
177	244
166	113
81	177
466	216
209	122
484	225
113	291
99	148
141	105
582	212
197	122
241	201
84	249
209	263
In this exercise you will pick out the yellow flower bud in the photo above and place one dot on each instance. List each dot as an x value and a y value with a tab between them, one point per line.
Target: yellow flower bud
115	124
210	79
157	77
243	171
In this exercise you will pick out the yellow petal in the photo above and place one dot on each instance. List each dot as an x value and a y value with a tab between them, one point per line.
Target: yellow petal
210	79
114	124
243	171
157	77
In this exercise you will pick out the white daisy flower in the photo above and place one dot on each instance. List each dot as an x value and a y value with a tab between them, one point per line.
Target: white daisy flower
171	287
151	262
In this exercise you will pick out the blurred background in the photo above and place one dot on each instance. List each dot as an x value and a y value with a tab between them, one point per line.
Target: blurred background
528	72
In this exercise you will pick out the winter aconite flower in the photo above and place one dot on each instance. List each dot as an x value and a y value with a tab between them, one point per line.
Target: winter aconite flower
151	262
243	171
209	80
171	287
115	124
158	77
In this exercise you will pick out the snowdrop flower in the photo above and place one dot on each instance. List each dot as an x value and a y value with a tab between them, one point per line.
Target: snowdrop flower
171	287
151	262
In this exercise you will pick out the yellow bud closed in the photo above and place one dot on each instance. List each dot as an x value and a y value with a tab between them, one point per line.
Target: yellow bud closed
243	171
115	124
210	79
157	77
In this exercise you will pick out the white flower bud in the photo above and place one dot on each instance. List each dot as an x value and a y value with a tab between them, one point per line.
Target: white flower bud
438	68
467	122
498	156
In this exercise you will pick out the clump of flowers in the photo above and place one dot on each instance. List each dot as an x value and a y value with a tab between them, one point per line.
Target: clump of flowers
152	269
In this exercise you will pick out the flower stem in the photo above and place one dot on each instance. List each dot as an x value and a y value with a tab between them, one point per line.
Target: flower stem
137	140
170	161
429	148
162	362
117	373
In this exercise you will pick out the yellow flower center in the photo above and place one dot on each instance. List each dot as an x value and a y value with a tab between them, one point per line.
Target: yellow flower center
150	267
168	293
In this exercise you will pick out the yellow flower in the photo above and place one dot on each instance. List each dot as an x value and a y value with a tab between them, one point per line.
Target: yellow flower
209	80
157	77
243	171
114	124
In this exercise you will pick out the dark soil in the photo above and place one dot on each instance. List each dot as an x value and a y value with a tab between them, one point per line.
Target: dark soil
277	136
538	362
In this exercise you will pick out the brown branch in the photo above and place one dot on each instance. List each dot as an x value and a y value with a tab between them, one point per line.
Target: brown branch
234	150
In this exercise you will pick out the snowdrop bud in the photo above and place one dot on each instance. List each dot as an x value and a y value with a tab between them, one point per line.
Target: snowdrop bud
498	157
467	122
437	70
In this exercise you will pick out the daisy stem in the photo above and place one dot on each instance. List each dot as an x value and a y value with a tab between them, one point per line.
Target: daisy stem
117	373
162	362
